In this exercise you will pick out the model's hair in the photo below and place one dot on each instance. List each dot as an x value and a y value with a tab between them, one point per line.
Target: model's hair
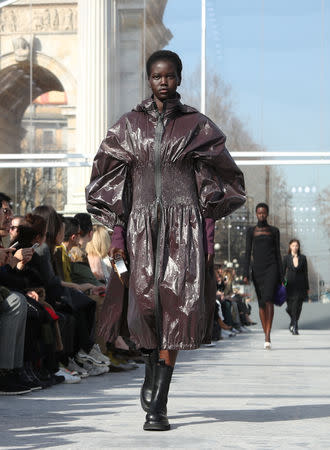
100	243
54	224
32	226
71	227
262	205
5	198
85	223
291	242
164	55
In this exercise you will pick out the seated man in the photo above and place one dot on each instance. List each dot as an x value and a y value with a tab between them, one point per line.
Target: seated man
13	310
16	221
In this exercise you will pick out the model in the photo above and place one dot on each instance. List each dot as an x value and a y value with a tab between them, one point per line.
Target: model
263	243
160	179
296	275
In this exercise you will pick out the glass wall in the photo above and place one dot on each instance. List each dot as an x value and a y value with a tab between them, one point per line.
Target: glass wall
267	87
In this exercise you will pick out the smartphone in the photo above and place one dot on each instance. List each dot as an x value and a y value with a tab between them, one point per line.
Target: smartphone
36	245
120	266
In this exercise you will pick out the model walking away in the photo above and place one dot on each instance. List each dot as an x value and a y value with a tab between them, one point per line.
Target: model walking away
263	243
160	179
296	274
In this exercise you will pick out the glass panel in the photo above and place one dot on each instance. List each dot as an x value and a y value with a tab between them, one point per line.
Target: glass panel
35	116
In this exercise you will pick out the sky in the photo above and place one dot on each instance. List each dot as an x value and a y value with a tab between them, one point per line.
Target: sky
275	55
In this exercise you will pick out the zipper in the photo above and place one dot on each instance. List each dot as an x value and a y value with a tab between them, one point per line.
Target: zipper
158	216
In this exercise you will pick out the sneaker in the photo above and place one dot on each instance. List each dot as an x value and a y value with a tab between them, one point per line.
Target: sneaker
94	369
211	344
57	379
73	366
14	390
244	328
97	353
236	330
9	386
125	360
119	365
227	334
69	377
23	378
92	357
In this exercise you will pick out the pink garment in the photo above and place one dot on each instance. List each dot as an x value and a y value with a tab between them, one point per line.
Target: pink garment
118	237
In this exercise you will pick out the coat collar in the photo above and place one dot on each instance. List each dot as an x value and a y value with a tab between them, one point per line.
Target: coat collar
171	107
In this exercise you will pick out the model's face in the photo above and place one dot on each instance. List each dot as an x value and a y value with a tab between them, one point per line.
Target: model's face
6	215
261	214
13	228
294	247
164	80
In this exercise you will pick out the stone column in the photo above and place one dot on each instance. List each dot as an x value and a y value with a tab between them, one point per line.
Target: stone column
94	29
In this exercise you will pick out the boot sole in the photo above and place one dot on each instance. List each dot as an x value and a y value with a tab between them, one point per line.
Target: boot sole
156	427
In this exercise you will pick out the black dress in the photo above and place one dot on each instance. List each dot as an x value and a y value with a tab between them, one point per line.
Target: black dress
297	284
263	242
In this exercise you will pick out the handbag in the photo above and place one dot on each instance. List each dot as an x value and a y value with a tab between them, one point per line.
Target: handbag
280	295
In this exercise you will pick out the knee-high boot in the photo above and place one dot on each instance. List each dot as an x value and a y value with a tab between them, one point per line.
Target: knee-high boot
150	360
156	418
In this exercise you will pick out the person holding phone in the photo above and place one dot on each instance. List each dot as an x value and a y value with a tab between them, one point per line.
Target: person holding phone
160	179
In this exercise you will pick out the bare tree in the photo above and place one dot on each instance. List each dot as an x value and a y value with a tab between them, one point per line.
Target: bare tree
37	188
323	201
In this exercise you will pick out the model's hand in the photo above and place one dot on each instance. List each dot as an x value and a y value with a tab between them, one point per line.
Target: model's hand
117	251
246	281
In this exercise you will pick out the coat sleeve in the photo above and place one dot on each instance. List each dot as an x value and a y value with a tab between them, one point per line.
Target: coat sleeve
108	195
306	274
220	183
248	250
278	254
285	265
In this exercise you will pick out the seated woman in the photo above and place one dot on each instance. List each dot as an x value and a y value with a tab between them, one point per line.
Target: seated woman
81	306
97	251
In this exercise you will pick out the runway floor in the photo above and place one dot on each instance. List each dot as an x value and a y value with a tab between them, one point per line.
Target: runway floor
235	395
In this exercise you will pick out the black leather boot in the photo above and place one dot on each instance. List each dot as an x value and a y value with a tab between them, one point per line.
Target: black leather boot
156	419
295	328
150	360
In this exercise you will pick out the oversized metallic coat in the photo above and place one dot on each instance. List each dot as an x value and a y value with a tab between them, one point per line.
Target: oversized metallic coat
159	175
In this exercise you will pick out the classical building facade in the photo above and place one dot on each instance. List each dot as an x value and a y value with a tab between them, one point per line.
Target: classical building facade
68	69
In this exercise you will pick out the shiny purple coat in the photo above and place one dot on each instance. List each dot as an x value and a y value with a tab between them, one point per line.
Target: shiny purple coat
159	176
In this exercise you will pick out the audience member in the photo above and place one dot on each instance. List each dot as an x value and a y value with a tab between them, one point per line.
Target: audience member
47	322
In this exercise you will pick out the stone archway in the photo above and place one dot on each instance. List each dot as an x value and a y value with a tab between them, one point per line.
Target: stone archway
17	90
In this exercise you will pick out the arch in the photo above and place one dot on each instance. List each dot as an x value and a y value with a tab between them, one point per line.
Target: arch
52	65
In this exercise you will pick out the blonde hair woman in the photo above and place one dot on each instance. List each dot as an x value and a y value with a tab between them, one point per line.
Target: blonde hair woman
97	250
